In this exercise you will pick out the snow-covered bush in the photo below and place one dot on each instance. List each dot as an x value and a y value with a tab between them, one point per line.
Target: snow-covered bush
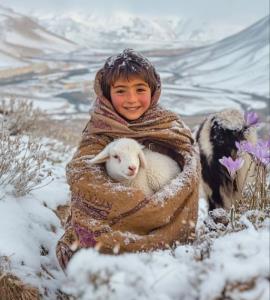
22	166
18	116
21	157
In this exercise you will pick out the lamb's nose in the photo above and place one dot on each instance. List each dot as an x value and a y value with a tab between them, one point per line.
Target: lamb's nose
132	168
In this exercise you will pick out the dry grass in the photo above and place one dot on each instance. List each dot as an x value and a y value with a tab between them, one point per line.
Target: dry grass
21	164
237	289
12	288
19	116
22	158
67	131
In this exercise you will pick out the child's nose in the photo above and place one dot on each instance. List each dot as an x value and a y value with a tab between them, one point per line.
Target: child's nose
132	97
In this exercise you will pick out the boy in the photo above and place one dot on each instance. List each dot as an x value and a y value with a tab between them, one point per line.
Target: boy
113	218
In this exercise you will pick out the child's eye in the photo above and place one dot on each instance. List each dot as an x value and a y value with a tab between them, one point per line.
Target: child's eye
120	92
140	90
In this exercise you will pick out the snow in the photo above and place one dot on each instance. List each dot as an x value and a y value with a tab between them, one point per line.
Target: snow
90	29
239	62
231	73
22	36
236	257
7	61
29	224
44	41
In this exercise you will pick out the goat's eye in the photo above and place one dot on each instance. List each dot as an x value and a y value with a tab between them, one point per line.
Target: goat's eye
116	156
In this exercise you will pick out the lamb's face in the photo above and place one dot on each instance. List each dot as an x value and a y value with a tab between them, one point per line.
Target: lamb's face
124	162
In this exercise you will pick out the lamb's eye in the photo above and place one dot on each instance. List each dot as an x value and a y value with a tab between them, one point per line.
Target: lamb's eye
116	156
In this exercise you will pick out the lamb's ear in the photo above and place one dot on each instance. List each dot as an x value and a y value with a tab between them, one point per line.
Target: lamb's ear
102	157
142	159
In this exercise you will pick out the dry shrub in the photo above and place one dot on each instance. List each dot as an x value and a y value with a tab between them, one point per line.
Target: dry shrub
21	164
237	290
67	131
5	264
19	116
12	288
60	295
220	222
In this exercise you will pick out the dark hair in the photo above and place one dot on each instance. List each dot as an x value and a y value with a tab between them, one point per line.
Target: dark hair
124	65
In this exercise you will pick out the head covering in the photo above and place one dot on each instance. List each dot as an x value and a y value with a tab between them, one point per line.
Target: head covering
156	124
126	64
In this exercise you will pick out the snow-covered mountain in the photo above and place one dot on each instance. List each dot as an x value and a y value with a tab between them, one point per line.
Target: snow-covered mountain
22	37
239	62
90	29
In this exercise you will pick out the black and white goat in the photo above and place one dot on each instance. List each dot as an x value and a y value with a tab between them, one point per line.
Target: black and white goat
216	138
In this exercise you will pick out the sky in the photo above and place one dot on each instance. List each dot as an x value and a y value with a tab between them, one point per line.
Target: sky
234	11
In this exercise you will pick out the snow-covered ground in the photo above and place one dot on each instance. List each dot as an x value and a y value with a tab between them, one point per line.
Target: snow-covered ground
220	262
29	228
239	62
235	258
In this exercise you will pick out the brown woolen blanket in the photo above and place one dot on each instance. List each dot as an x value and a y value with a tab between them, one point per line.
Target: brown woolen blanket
111	217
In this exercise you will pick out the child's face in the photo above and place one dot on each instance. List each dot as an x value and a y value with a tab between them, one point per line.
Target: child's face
131	98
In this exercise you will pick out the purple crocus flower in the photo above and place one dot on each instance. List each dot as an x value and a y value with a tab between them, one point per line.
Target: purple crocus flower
245	146
251	118
231	165
262	152
264	143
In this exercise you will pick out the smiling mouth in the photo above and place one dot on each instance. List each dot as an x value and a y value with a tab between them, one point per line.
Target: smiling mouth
132	108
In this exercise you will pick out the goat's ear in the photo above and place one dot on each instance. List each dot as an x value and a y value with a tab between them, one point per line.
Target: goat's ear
142	159
102	157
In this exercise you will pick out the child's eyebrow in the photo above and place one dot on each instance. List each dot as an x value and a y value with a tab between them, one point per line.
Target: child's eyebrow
136	85
119	86
141	84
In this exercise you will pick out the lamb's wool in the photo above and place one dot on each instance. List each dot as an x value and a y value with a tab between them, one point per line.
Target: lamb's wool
103	216
159	171
153	169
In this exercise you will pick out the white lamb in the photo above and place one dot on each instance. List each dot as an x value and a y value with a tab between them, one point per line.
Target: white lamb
130	163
